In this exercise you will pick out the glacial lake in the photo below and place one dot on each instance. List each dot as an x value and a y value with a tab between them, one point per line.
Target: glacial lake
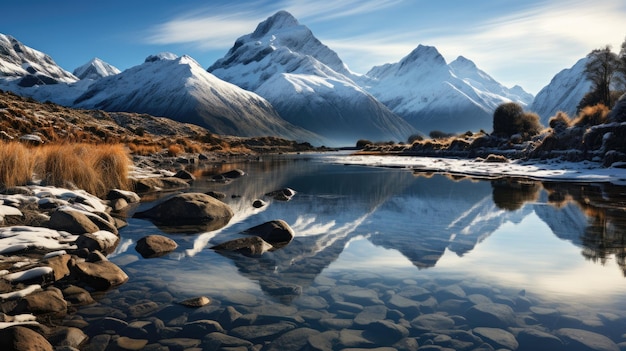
386	244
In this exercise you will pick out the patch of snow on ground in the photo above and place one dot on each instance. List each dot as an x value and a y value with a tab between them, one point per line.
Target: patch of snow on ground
550	170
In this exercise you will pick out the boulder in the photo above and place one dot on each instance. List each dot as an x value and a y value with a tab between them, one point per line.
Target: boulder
74	222
498	338
157	184
101	240
216	194
21	339
100	275
189	208
48	302
155	246
59	265
494	315
68	336
284	194
185	175
129	196
233	174
250	246
277	233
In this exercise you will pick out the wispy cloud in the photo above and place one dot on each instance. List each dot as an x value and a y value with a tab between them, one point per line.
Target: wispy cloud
218	27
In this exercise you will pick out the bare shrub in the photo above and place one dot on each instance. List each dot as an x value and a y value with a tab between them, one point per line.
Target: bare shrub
560	121
592	116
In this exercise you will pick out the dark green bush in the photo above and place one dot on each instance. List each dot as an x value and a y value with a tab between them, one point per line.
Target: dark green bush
361	143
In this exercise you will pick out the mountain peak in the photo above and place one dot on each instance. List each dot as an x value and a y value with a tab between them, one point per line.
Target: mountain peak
162	56
95	69
423	53
463	62
279	20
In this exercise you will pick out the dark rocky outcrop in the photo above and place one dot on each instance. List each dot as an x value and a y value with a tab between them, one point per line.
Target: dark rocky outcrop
277	233
250	246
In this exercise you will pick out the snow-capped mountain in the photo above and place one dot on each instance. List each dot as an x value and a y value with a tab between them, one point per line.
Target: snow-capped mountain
563	93
307	83
433	95
179	88
95	69
28	67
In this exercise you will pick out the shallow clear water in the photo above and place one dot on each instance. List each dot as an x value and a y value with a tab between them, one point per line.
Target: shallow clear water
365	235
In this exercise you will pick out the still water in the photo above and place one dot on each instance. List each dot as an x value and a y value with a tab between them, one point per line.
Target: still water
432	254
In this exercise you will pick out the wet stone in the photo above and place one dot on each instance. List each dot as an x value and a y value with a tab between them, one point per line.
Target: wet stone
143	309
498	338
125	343
578	339
196	301
295	339
491	315
218	341
315	302
536	340
371	314
347	306
324	341
385	331
180	343
336	323
72	337
363	296
407	306
450	292
432	322
256	333
201	327
350	338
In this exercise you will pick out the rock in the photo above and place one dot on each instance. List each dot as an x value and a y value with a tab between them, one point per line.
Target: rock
250	246
31	139
71	337
277	233
363	297
351	338
129	196
59	265
491	315
48	302
216	194
218	341
180	343
183	174
155	246
158	184
189	208
118	204
258	333
196	301
199	327
74	222
385	332
126	343
282	195
77	296
536	340
432	322
371	314
496	337
258	203
101	240
233	174
583	340
23	339
143	309
324	341
101	275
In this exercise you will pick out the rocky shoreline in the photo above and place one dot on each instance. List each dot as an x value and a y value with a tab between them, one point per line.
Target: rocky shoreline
58	290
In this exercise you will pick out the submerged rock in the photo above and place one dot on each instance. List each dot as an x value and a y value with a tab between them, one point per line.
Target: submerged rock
189	208
250	246
155	246
277	232
282	194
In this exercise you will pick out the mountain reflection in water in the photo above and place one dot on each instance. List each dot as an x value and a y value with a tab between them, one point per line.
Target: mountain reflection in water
421	216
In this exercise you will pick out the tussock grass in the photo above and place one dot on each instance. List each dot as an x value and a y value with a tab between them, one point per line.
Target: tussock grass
94	168
16	164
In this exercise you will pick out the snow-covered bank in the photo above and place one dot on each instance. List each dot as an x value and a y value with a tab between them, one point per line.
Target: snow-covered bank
555	170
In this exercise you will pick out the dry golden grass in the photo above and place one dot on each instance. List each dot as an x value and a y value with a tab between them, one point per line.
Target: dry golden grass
175	150
592	115
16	164
94	168
143	149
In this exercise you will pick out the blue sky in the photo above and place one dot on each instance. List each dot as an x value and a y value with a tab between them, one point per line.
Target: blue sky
516	42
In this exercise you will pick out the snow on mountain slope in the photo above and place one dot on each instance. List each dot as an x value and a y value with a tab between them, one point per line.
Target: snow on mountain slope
563	93
433	95
179	88
307	83
95	69
27	66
